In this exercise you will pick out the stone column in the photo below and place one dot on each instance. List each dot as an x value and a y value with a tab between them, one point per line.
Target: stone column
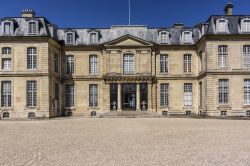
138	95
119	108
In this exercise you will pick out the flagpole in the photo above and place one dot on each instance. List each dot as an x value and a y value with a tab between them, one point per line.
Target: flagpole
129	12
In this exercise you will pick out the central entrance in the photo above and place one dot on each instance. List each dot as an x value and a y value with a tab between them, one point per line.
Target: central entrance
128	97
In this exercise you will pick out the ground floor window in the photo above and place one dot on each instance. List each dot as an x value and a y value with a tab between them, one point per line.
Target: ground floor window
188	95
31	93
247	91
223	91
6	94
69	96
93	95
164	94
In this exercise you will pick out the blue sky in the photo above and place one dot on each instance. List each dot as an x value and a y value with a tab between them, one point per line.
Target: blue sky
104	13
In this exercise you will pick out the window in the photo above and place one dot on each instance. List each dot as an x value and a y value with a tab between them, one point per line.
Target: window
93	38
164	37
32	28
56	63
187	63
222	55
56	91
164	95
200	62
93	95
7	28
187	37
164	64
70	64
6	94
223	91
70	38
128	63
246	56
188	95
69	89
247	91
200	87
6	50
31	58
221	27
93	64
31	94
245	25
6	64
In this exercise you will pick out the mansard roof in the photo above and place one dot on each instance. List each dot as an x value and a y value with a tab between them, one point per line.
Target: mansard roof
105	35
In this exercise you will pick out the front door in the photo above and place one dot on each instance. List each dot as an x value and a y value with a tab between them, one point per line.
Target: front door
129	97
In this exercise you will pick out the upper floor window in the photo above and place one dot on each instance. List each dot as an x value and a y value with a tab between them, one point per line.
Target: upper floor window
93	38
164	37
223	91
187	63
246	56
6	50
33	28
187	37
70	38
31	58
222	55
128	63
245	25
7	28
164	64
221	25
93	64
70	64
6	63
56	63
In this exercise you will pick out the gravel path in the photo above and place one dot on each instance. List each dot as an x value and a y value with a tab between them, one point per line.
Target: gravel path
129	142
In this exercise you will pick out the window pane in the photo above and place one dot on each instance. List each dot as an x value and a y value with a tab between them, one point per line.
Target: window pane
7	28
32	28
6	63
164	37
247	91
70	38
246	56
246	26
93	38
188	95
6	50
222	26
187	63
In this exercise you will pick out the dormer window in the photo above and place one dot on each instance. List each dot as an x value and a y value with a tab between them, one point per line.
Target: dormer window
7	28
221	25
164	37
93	38
33	28
70	38
187	37
245	25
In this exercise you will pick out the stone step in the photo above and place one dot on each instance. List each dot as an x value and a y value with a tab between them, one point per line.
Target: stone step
129	114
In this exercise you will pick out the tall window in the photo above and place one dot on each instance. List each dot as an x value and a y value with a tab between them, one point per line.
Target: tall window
31	58
93	64
247	91
6	50
69	89
70	64
164	95
221	27
187	63
70	38
200	87
188	95
222	55
128	63
6	64
246	56
32	28
164	64
93	38
245	25
187	37
164	37
6	94
56	63
7	28
93	95
31	94
223	91
57	91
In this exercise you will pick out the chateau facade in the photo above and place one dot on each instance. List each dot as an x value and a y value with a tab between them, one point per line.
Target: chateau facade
48	71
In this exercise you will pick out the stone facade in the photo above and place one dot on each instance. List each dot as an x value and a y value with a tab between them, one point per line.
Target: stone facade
176	70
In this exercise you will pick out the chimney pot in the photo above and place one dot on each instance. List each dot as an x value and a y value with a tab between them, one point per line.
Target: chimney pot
229	9
178	25
28	13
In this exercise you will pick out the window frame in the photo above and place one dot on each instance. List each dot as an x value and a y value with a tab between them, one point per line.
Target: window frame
32	58
164	39
223	91
6	50
70	64
187	37
164	94
70	40
246	93
222	56
219	26
6	94
10	28
93	95
31	93
93	64
164	63
246	56
9	65
187	63
128	64
188	94
246	27
33	30
69	95
95	39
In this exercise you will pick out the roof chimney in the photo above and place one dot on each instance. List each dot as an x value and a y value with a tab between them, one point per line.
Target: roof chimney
178	25
229	9
28	13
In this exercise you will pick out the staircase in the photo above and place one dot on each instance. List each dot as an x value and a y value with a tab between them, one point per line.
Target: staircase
129	114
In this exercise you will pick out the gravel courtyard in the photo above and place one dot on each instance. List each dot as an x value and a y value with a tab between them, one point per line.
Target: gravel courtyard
147	142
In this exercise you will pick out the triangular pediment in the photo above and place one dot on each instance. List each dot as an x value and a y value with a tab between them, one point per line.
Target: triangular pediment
128	40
